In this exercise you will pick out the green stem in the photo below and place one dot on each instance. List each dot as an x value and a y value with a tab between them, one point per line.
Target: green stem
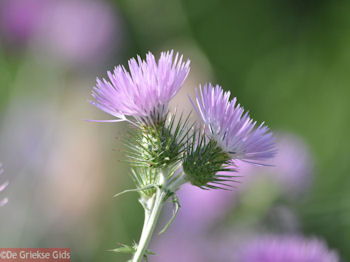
150	225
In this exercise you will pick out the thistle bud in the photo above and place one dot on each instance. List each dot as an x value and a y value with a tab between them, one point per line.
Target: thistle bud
159	145
203	163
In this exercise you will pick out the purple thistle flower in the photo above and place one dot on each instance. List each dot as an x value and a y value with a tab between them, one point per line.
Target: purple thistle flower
231	127
2	187
145	91
285	249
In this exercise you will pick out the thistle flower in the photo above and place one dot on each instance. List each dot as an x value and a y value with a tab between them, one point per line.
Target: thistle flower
145	91
2	187
165	153
231	135
232	128
286	248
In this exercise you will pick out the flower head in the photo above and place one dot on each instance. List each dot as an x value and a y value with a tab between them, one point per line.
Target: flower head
2	187
286	249
231	127
145	91
230	135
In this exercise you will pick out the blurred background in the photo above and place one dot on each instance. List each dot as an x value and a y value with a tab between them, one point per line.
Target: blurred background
287	61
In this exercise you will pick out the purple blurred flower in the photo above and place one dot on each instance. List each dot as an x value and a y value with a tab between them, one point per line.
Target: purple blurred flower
285	249
145	92
234	130
293	165
20	19
71	31
2	187
215	205
291	168
180	247
80	31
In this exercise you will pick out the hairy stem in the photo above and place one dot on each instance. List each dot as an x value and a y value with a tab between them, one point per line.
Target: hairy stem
151	220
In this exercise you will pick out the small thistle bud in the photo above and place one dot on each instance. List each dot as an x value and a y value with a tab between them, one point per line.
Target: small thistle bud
159	145
203	163
156	146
